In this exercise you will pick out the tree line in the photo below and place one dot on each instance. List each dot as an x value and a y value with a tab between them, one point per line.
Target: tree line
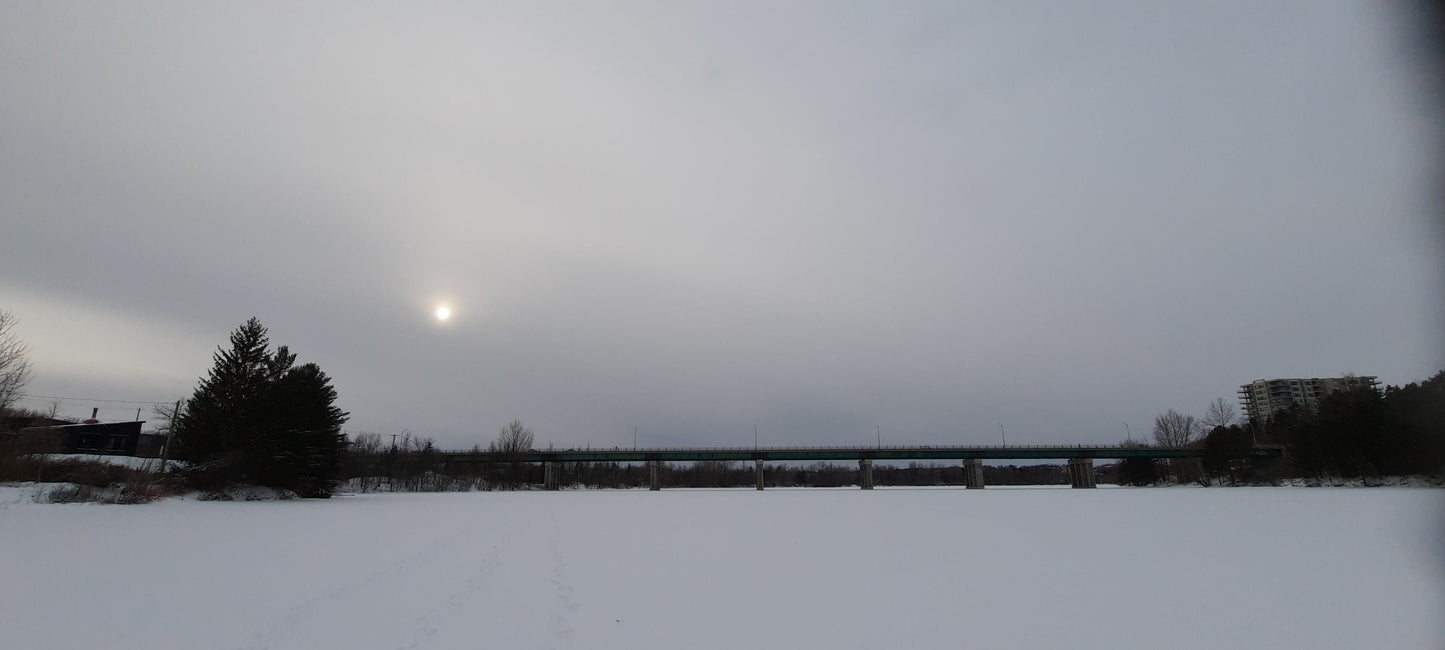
1361	433
1358	433
261	418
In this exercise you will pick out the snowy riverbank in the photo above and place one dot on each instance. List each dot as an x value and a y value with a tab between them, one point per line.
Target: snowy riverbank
1001	568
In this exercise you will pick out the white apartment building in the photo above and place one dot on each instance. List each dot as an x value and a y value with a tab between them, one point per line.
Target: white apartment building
1263	398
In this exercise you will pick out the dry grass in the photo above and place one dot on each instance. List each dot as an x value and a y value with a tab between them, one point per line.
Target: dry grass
83	480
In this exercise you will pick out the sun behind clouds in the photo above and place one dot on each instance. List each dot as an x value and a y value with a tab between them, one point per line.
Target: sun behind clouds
443	313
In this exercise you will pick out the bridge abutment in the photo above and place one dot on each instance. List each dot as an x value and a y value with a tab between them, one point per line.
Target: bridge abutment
760	473
973	473
550	479
865	473
1081	472
654	475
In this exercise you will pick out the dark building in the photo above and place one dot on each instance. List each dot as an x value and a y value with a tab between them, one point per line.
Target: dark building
152	445
111	438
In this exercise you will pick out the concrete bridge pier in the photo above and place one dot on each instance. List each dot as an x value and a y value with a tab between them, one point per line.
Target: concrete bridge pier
865	473
654	475
973	473
550	478
1081	472
760	473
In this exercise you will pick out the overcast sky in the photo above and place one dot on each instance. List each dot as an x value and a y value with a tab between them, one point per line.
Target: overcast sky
696	218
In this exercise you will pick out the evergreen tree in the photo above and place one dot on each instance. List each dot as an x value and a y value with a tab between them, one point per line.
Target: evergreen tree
1224	448
257	419
310	444
219	420
1365	432
1413	440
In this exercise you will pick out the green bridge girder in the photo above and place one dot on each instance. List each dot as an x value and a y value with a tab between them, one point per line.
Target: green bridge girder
690	454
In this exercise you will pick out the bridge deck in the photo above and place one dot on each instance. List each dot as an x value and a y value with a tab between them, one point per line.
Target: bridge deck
691	454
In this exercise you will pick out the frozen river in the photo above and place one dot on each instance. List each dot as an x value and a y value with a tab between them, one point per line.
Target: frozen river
891	568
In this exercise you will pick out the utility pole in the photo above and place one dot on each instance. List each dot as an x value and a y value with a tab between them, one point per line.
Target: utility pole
170	438
391	465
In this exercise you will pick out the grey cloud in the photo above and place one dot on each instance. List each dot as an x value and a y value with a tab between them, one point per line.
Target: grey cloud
815	218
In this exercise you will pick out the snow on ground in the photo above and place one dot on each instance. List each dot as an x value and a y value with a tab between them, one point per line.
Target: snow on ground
122	461
891	568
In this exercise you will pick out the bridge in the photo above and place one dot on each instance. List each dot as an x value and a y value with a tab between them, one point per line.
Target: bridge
1080	458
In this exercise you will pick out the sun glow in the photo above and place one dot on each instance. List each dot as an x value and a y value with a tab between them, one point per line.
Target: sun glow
443	313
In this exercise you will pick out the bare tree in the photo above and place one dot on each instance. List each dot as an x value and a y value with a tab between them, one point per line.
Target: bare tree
515	437
1219	414
1174	429
14	362
165	414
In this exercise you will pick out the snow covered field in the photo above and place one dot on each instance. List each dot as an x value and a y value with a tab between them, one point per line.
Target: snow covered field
892	568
